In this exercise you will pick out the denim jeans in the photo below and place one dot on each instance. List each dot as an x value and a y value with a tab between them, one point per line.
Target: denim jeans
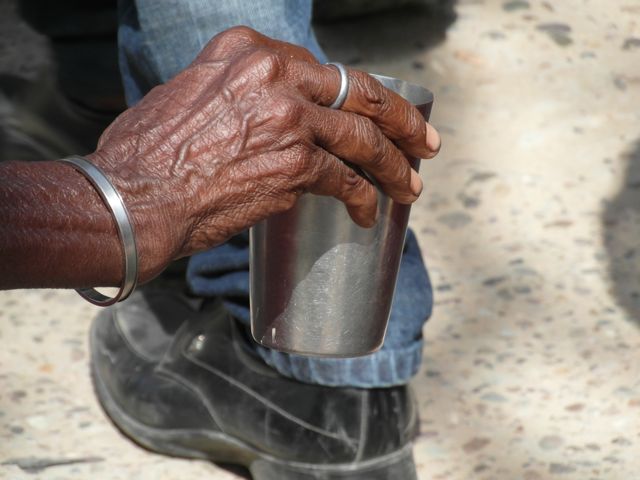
157	39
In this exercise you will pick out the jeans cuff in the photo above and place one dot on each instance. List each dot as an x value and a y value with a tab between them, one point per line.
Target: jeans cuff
385	368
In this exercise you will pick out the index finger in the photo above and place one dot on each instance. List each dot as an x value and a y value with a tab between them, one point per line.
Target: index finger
398	119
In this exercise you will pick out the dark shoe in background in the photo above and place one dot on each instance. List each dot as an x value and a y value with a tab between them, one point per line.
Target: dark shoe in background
175	375
37	122
59	79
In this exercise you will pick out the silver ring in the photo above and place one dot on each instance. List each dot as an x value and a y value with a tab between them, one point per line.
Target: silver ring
344	85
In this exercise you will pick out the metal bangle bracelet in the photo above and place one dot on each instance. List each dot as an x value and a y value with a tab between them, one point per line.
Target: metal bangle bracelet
114	203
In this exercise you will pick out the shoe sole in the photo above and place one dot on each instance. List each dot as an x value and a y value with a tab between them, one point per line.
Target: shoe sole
219	447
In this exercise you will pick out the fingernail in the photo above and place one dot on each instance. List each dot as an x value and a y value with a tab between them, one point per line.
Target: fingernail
416	183
433	139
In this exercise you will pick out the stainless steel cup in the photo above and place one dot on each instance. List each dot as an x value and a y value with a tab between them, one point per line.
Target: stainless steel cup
320	284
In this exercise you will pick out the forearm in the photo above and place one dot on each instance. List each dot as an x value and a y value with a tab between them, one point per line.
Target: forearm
55	230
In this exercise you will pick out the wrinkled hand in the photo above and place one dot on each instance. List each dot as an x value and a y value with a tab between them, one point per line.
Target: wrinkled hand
244	131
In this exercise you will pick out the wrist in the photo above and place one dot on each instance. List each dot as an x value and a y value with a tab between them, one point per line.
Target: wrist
156	232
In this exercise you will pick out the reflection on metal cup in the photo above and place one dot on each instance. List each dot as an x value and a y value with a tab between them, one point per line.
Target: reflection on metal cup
322	285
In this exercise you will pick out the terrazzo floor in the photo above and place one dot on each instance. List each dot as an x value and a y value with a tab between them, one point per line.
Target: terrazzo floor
529	222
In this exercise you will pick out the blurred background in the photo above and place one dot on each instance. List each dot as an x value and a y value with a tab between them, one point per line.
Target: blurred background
529	223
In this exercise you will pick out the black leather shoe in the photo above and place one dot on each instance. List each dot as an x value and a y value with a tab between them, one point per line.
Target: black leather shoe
177	377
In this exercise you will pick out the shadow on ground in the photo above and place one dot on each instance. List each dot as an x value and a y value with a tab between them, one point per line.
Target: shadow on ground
621	222
367	37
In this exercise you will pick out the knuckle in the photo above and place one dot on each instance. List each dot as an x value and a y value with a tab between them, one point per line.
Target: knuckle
269	61
263	64
287	112
288	200
368	194
360	194
372	91
242	32
373	142
238	35
381	101
307	56
297	163
232	39
351	183
415	127
362	79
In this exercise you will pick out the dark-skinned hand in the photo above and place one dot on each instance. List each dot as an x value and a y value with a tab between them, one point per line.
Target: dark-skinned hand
245	130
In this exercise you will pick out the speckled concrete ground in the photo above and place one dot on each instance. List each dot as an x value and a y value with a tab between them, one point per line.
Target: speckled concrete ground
529	222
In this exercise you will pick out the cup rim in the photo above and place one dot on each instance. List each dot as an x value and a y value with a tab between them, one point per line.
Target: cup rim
416	94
